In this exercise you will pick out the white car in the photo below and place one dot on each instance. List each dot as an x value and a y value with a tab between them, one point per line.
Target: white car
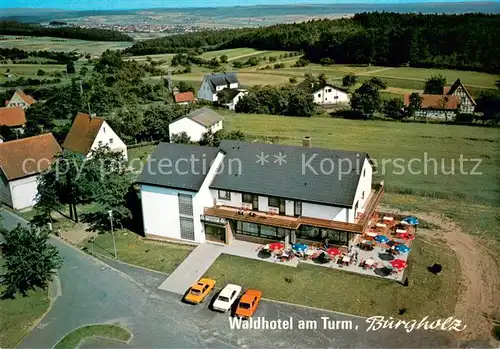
226	297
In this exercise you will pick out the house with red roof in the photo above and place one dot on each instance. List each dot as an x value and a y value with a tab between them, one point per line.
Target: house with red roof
20	99
13	117
21	162
89	132
183	98
442	107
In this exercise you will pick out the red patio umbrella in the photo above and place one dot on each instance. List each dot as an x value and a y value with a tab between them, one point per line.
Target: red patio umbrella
399	263
333	251
276	246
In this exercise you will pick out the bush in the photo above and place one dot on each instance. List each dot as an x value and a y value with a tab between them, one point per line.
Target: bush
302	62
279	65
326	61
496	332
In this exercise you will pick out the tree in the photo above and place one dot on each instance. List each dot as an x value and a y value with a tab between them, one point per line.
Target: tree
435	85
300	103
302	62
84	71
322	78
414	105
349	80
70	68
381	84
29	260
7	133
488	103
394	108
366	99
184	87
223	59
40	72
326	61
181	138
292	80
272	59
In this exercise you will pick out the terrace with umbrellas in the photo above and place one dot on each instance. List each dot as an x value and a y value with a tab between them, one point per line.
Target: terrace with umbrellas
381	251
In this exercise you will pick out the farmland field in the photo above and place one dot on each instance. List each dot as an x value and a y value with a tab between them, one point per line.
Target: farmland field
32	43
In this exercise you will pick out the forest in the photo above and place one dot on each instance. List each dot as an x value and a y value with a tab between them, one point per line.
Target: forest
95	34
17	55
465	41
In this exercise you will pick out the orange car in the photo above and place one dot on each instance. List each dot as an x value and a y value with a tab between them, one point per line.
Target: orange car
248	303
199	291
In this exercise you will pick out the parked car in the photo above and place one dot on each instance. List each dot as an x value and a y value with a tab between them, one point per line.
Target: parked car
248	303
198	292
227	297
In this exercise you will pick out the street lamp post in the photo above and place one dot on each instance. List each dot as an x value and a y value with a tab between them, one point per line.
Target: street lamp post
110	213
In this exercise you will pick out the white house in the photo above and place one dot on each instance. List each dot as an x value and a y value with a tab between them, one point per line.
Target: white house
196	123
325	93
467	104
231	96
183	98
89	133
212	84
21	162
20	99
256	192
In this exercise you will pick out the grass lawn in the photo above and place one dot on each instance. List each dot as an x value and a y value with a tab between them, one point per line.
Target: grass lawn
137	157
73	339
18	315
396	143
161	256
427	294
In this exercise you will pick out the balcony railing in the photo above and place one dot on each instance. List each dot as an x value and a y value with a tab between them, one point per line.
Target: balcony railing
295	222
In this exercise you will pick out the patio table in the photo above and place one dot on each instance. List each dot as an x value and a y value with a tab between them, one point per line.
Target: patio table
381	225
369	262
399	241
401	231
387	218
371	234
346	259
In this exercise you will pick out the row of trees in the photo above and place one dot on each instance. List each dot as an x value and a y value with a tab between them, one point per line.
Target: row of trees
27	29
15	54
278	100
464	41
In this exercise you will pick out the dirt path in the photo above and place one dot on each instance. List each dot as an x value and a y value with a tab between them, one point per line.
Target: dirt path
480	297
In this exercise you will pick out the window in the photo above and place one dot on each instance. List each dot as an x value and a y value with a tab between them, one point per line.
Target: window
224	195
329	90
248	198
99	143
319	94
104	129
187	228
267	231
309	233
111	141
363	195
335	97
298	208
185	205
273	202
364	172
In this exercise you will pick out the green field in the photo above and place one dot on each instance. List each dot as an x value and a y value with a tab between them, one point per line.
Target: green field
107	331
18	315
392	141
33	43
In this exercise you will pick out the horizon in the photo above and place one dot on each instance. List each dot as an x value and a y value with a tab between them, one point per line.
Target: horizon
113	5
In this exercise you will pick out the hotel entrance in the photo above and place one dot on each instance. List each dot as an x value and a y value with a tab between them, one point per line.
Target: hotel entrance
215	228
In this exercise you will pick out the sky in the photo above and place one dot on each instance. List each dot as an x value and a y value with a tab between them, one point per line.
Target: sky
138	4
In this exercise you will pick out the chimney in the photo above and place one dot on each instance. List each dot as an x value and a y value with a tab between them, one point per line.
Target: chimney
306	142
93	115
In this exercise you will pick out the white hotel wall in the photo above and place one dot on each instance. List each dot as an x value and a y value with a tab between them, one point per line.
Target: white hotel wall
324	212
364	185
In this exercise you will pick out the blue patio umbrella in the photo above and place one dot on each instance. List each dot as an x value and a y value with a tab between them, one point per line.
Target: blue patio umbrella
411	220
382	239
299	247
402	248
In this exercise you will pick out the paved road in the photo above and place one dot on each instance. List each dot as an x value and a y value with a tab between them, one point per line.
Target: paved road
94	292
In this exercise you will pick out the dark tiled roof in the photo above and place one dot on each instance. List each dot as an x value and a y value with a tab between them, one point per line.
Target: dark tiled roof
231	93
38	150
293	179
12	116
221	79
161	169
82	133
312	87
204	116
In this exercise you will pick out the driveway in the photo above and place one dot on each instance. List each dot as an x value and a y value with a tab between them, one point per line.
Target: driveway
94	292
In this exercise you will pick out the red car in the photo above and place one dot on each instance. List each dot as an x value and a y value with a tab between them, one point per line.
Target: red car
248	303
